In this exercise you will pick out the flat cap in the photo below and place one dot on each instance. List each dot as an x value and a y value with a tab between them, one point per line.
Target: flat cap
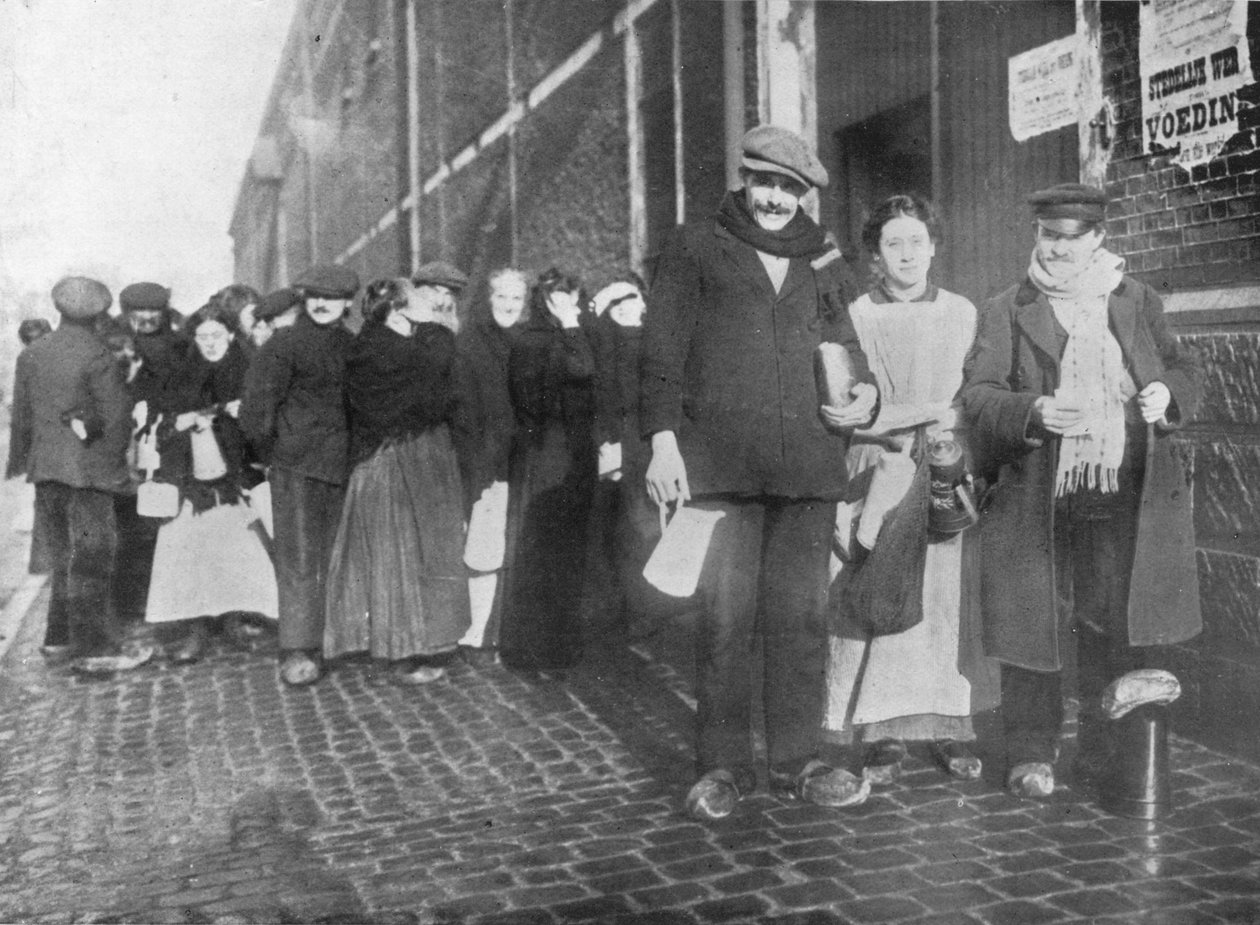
440	273
144	297
1073	201
80	297
774	149
328	281
275	304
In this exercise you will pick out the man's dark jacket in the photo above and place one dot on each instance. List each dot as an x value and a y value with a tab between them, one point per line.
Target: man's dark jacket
728	365
294	409
70	374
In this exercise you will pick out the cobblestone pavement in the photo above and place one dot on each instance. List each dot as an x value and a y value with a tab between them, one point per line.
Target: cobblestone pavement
212	793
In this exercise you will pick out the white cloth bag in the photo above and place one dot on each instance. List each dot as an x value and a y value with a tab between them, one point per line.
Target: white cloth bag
674	566
485	545
260	505
891	480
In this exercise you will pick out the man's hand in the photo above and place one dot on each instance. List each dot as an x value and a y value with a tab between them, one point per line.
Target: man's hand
1057	415
78	428
857	412
233	408
666	473
1153	402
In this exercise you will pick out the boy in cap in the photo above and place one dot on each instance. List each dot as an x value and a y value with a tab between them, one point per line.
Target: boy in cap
1072	392
294	414
276	310
740	303
69	433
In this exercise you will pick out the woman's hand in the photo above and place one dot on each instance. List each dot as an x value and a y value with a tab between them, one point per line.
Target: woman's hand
947	419
186	421
233	408
565	308
667	473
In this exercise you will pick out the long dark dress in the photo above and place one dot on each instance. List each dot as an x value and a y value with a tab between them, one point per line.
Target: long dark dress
632	527
553	472
397	586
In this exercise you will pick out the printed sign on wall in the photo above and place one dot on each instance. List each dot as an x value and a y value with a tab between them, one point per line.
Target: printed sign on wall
1194	58
1041	88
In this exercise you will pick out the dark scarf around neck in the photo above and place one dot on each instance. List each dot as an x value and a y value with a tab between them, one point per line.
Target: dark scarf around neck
801	237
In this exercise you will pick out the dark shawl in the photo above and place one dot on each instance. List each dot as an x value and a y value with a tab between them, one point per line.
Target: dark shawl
398	386
195	384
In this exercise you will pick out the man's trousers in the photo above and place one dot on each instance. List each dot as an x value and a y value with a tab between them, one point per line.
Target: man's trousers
765	575
305	513
82	543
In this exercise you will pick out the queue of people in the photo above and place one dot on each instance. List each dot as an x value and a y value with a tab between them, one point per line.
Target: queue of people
913	503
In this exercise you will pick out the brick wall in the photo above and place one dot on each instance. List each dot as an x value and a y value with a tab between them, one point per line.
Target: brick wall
1179	229
1183	231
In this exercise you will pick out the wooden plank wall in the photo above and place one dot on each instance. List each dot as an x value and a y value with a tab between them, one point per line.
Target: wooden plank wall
873	57
985	173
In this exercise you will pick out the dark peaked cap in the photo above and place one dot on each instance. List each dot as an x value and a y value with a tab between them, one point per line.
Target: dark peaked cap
1071	201
144	297
440	273
328	281
275	304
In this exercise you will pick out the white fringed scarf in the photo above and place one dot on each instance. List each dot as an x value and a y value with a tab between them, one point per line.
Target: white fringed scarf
1092	371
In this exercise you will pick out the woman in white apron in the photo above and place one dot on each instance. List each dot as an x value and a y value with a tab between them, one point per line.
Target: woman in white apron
211	559
925	683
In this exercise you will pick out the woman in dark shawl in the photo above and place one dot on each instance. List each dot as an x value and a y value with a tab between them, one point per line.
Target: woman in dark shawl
211	558
553	475
397	586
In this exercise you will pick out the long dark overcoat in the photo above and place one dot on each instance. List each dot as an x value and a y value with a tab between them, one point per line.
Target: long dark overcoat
728	366
1016	360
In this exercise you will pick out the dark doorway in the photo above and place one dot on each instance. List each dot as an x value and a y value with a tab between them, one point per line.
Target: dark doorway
887	154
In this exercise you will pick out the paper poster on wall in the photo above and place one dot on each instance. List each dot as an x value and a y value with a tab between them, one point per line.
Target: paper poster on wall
1194	59
1041	88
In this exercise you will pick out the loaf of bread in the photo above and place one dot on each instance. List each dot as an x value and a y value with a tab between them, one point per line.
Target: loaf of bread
833	373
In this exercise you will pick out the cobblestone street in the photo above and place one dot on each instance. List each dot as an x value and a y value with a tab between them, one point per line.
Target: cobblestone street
211	793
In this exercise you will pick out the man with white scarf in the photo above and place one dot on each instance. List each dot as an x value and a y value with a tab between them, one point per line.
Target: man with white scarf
1072	390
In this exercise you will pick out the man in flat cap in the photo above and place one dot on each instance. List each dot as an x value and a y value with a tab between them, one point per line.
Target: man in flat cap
158	345
294	414
1072	391
156	351
740	303
437	285
70	428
